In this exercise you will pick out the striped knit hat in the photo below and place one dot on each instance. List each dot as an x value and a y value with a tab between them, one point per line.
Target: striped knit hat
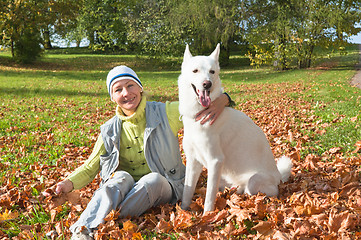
120	73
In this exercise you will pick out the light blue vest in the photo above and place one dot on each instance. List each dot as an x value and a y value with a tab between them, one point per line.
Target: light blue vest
161	147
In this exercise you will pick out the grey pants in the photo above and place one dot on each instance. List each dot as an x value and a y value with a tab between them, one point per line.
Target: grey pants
121	192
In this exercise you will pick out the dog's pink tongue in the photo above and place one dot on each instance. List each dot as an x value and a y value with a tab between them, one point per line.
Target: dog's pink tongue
204	98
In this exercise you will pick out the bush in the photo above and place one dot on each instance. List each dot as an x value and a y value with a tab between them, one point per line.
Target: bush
27	48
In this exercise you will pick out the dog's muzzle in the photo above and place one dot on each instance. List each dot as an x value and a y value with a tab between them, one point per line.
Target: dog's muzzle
204	95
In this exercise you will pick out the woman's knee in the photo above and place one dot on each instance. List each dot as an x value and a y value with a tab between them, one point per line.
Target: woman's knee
158	188
153	179
121	180
122	175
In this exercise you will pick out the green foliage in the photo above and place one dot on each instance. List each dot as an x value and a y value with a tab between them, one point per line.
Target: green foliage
205	23
27	48
312	24
269	34
103	22
294	28
259	55
150	29
61	18
20	27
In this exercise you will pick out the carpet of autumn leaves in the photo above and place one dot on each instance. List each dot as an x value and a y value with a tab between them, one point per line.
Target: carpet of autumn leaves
321	200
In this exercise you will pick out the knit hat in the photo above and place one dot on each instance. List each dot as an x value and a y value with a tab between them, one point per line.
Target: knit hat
120	73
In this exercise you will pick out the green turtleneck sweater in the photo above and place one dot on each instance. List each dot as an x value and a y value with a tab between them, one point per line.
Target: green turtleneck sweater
131	155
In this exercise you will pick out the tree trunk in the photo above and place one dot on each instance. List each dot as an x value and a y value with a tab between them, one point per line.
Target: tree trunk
12	48
280	62
90	37
304	60
304	63
46	39
224	55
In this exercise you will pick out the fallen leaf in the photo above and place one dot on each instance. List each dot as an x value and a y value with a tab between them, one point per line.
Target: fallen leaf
130	227
264	228
113	215
163	226
358	147
8	215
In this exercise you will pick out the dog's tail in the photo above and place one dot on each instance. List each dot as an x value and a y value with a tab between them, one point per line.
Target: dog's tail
284	165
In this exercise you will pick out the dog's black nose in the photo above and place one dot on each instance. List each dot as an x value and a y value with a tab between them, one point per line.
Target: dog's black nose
207	84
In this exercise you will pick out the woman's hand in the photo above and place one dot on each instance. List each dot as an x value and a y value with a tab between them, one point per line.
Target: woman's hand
211	113
61	187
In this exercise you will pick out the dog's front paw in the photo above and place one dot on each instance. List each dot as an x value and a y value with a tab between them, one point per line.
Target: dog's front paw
208	208
185	207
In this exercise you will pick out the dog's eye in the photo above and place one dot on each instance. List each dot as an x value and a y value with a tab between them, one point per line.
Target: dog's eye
195	70
211	71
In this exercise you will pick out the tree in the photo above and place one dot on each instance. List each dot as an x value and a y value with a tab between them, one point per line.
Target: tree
76	33
204	23
312	27
18	25
25	24
343	17
269	30
103	21
150	31
57	17
27	48
283	30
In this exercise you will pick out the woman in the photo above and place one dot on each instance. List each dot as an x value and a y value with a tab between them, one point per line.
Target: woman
137	155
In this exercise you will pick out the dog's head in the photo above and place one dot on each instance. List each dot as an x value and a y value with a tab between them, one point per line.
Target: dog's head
201	73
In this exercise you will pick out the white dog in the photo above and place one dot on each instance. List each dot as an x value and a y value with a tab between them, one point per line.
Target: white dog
234	149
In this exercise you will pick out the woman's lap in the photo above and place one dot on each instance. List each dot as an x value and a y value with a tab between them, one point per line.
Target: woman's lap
120	191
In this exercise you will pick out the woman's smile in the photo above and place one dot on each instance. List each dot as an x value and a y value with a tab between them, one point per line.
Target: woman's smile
129	100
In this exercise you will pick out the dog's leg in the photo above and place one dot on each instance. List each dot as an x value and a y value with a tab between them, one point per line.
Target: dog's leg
261	183
214	168
193	171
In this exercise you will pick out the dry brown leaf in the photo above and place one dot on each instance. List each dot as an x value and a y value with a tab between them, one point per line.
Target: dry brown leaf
113	215
212	217
8	215
358	147
340	222
130	227
183	219
163	226
264	228
304	228
278	235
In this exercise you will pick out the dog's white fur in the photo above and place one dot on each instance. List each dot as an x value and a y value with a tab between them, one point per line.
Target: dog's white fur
234	149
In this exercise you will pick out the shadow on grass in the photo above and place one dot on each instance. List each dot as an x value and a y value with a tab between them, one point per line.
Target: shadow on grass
62	75
26	92
94	62
255	75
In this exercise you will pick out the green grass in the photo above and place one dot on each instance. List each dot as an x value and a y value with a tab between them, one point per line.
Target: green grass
337	104
62	100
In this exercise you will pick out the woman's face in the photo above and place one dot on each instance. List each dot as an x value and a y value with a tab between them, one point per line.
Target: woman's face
127	94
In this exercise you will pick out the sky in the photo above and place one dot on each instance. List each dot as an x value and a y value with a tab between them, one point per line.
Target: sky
356	38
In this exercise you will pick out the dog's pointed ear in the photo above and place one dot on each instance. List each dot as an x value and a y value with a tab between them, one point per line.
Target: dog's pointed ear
215	53
187	54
